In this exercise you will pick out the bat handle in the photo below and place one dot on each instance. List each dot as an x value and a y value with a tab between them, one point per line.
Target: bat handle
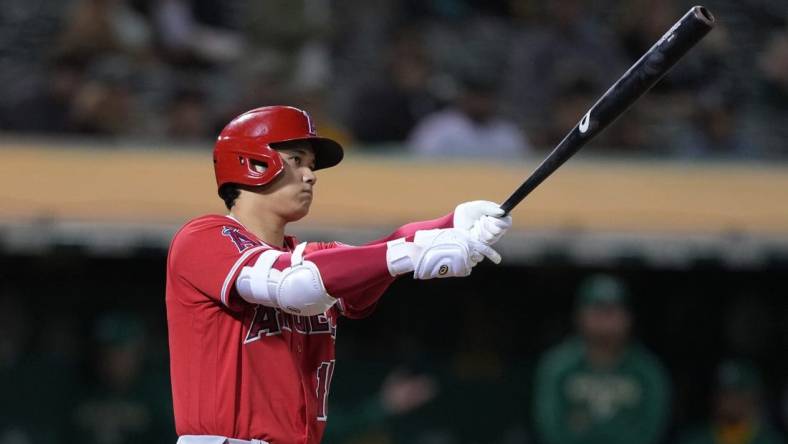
517	196
506	207
510	203
539	175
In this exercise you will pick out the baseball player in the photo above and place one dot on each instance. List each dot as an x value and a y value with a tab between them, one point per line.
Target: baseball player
252	313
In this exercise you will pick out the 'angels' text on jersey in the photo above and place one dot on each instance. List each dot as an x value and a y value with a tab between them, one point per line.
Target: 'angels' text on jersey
269	321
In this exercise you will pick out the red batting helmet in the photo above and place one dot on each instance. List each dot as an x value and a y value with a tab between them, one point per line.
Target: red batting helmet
251	138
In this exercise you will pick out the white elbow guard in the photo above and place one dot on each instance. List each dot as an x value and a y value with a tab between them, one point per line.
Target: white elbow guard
297	289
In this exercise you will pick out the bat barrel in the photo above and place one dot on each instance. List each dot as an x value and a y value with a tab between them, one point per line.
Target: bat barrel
638	79
703	14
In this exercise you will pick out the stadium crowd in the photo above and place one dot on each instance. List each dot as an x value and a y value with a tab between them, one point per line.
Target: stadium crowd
440	78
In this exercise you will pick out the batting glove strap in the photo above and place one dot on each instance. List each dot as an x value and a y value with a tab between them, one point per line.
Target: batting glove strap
401	256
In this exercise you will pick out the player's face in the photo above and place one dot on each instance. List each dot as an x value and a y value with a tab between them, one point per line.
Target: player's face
291	194
607	324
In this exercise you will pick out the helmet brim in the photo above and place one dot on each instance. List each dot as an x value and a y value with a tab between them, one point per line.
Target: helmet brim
328	152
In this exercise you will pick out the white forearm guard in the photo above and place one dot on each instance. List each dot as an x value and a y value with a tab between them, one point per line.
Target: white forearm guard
298	289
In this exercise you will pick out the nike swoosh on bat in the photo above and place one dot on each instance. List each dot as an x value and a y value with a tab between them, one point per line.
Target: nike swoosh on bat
583	127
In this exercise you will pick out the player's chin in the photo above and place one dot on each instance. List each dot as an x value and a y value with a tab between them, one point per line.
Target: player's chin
300	211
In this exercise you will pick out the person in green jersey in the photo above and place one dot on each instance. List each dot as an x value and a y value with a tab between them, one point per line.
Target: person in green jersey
600	386
737	416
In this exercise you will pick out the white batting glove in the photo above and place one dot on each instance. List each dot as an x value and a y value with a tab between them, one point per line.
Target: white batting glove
449	253
484	220
439	253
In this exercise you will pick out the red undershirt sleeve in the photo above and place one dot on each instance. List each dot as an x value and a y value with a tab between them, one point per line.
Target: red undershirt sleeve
357	276
409	230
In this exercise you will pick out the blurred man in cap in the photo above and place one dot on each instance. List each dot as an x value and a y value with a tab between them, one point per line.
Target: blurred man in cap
600	386
127	400
737	416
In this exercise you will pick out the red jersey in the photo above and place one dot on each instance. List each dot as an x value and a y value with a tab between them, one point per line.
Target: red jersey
248	371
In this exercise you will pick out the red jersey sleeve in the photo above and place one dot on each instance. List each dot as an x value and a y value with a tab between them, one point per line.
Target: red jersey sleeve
356	276
209	253
409	230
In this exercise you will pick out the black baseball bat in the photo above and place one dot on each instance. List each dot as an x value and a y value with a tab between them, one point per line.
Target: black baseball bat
638	79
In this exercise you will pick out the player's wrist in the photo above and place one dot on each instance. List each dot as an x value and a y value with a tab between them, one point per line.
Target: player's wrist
401	256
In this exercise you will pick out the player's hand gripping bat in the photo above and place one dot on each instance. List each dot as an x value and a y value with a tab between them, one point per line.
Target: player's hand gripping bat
638	79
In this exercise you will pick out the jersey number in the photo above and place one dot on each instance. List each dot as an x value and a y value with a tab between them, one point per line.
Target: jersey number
325	372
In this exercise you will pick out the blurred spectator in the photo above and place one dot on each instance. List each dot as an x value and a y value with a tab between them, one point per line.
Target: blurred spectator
105	102
128	401
783	413
316	101
451	52
37	373
387	109
262	81
285	23
298	33
187	116
750	326
567	43
601	387
471	128
737	416
400	393
15	342
641	26
768	110
186	39
713	130
479	402
50	109
99	27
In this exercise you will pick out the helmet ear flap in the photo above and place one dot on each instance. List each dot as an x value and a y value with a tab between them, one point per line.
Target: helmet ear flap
262	169
258	166
236	163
